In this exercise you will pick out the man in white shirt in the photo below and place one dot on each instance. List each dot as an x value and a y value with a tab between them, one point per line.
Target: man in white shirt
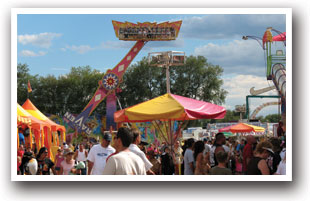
189	167
98	154
135	149
124	162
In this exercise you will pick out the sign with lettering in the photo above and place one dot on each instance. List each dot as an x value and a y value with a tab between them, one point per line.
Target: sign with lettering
147	31
78	122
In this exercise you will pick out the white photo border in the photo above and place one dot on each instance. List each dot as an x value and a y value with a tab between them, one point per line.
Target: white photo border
286	11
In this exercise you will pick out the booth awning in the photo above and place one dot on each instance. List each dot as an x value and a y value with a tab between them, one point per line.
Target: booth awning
170	107
242	128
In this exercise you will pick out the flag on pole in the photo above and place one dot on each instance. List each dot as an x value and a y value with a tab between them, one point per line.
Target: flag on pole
29	87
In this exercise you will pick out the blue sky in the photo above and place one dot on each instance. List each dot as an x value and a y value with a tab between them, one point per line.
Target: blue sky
53	43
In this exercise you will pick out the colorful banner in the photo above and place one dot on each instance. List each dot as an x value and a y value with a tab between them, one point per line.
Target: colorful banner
147	31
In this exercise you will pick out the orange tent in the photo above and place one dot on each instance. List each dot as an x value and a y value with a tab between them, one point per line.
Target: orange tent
241	128
29	107
25	119
52	135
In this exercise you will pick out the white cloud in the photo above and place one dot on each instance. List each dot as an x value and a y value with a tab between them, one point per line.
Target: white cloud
43	40
238	88
238	56
29	53
82	49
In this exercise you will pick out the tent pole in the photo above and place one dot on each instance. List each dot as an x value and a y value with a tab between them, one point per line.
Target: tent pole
160	131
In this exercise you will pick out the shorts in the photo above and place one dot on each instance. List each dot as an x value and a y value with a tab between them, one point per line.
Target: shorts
57	168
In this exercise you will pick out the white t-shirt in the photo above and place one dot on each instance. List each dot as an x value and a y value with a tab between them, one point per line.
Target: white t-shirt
81	155
188	158
207	149
135	149
281	168
282	153
32	166
125	163
98	156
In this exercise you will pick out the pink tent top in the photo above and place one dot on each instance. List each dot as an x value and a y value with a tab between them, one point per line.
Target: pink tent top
225	129
170	107
280	37
196	109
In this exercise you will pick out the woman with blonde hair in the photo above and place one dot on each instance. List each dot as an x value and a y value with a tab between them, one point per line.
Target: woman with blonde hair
258	164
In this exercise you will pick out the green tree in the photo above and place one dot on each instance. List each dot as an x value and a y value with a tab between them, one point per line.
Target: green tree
53	95
22	80
231	116
141	82
196	79
77	88
272	118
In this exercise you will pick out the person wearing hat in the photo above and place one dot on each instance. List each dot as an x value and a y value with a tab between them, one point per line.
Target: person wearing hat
258	164
68	163
98	154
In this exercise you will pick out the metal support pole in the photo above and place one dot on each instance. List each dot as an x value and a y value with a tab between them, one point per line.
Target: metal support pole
167	78
247	108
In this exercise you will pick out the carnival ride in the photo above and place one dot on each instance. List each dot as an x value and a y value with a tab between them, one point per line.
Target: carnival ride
127	31
276	69
259	108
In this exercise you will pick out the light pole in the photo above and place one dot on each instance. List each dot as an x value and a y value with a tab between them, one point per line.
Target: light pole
165	60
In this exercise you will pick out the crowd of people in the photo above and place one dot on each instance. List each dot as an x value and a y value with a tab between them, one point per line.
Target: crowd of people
147	33
128	155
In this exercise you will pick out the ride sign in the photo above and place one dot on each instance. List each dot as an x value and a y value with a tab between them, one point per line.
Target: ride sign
78	121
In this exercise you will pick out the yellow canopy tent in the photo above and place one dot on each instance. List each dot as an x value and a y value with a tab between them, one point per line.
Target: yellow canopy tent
165	109
257	129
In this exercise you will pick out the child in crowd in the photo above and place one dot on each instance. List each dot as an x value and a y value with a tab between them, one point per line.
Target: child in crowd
68	163
58	159
238	162
221	168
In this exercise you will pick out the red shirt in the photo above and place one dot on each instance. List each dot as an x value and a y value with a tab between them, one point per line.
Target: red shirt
20	153
247	154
